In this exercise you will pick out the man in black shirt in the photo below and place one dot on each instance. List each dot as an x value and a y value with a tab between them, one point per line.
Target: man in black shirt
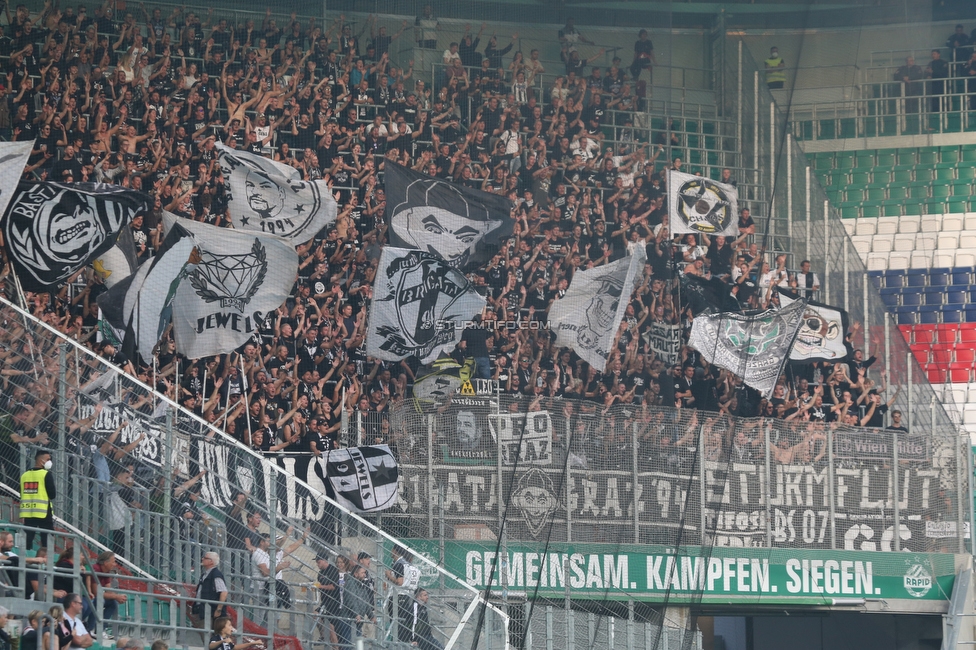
896	423
937	70
475	343
330	605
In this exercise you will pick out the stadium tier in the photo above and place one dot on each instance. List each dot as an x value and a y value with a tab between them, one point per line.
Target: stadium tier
485	327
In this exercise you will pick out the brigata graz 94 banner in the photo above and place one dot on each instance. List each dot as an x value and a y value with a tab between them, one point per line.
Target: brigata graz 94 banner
696	574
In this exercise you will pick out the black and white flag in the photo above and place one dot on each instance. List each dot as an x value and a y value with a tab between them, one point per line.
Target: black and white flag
239	279
753	347
701	205
463	226
821	336
587	317
364	479
54	229
140	306
13	159
420	304
118	262
270	197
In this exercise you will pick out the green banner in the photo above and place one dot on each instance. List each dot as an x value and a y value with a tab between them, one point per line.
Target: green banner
727	576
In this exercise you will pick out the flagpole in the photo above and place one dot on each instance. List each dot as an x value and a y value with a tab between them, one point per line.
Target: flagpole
247	408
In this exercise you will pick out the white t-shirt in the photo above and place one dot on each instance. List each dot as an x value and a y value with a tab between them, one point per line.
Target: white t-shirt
450	56
260	557
77	628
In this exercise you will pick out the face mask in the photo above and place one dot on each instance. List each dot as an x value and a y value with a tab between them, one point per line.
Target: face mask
48	465
233	631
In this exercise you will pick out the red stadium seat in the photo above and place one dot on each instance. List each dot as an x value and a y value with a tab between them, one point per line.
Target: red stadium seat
925	336
936	374
967	334
946	333
965	355
941	353
960	373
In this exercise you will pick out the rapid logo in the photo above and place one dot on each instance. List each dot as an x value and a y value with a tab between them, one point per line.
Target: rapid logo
918	581
231	280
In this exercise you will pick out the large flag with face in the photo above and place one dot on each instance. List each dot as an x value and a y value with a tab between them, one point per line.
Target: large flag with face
54	229
270	197
458	224
821	336
364	479
139	308
753	347
587	317
420	306
239	279
701	205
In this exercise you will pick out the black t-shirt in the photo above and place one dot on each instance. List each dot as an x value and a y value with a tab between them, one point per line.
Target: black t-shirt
331	604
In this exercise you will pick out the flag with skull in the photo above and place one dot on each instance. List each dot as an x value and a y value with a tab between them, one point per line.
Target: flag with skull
270	197
420	306
462	226
822	330
700	205
52	230
587	317
239	279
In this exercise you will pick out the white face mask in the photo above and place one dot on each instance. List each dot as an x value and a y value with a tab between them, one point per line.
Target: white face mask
48	465
233	631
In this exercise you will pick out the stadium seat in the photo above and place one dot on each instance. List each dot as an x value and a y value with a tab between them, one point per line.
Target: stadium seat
902	176
928	156
898	192
916	278
960	373
949	154
969	220
880	243
914	206
908	157
921	353
943	257
899	260
932	221
891	208
866	227
965	355
940	190
909	224
941	353
888	225
904	242
962	188
936	374
970	312
938	277
933	295
925	242
862	244
967	241
951	315
924	335
967	153
966	172
962	276
929	314
924	175
967	334
891	297
965	258
910	298
957	204
944	172
860	178
871	209
877	261
947	240
886	158
945	334
844	160
952	223
956	297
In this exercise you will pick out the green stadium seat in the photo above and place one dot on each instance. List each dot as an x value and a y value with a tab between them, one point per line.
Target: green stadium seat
853	195
881	176
823	163
965	171
902	176
898	192
860	178
972	205
877	193
864	159
838	178
892	208
907	157
962	187
949	154
886	157
913	206
957	204
934	206
848	127
967	153
924	174
843	160
835	196
945	172
851	211
941	190
919	189
871	209
928	156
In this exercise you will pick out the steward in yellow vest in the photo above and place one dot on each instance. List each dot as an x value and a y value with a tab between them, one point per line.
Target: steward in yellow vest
36	496
775	73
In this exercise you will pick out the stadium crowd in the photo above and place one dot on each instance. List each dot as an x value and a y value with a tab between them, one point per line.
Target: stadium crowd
139	99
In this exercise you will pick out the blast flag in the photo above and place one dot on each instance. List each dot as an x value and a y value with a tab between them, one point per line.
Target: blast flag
753	347
420	304
52	230
270	197
240	278
821	336
587	317
364	479
463	226
701	205
139	308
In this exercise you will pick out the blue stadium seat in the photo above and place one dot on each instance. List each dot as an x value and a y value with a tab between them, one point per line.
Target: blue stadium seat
905	315
929	314
876	280
970	314
938	277
951	315
894	278
916	277
890	296
934	295
911	299
972	294
956	297
962	276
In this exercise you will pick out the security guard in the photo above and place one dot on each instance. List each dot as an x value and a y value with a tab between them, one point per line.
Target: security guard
36	497
775	73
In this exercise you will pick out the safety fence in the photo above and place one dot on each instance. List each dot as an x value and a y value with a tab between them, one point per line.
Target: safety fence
137	475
